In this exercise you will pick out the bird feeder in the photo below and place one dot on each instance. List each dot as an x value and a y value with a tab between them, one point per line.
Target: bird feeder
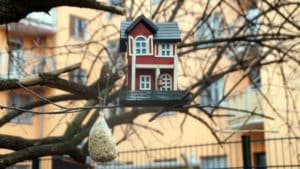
151	50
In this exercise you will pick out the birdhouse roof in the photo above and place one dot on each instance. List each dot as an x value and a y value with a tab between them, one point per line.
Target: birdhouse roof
164	31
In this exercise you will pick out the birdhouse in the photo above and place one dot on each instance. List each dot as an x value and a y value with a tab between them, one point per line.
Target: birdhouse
151	50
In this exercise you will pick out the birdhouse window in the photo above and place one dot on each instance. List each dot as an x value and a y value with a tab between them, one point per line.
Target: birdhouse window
145	82
140	46
165	49
166	82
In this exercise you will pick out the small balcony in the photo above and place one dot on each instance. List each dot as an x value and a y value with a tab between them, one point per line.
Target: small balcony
153	98
35	24
249	100
19	64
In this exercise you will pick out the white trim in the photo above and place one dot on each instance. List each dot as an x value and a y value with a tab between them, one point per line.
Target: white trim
159	45
154	66
130	45
4	61
146	82
175	73
133	67
157	72
150	38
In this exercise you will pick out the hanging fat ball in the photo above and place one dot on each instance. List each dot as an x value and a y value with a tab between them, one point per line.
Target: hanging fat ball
102	147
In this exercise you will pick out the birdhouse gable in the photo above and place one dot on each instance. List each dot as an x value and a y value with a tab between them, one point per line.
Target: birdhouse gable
162	32
142	20
140	30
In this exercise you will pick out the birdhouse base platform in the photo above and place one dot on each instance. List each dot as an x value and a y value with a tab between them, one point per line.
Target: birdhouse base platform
153	98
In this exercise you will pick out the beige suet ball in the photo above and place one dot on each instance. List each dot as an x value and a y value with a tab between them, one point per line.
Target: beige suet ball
102	146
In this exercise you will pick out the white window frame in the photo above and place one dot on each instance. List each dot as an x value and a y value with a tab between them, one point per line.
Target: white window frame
143	82
164	81
209	29
16	59
161	49
213	94
141	48
76	32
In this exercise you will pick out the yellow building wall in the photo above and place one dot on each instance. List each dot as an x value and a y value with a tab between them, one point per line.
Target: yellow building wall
192	132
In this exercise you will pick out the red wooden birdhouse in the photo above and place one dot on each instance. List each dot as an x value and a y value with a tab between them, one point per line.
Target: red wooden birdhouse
152	62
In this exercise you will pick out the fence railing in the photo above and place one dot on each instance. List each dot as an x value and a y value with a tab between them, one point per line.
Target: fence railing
262	154
279	153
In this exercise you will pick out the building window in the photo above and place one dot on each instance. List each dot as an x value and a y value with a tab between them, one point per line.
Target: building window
213	162
165	49
260	160
140	46
165	81
213	94
210	28
78	28
17	100
78	76
254	76
16	58
155	2
115	56
252	19
145	82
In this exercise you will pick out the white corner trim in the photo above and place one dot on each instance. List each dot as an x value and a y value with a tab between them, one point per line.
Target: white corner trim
157	73
175	74
133	72
130	45
150	39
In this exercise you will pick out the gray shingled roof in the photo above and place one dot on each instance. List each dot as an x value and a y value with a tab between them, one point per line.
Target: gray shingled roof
166	30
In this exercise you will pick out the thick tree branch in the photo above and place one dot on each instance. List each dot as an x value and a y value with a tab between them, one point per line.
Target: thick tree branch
176	9
22	8
12	114
50	81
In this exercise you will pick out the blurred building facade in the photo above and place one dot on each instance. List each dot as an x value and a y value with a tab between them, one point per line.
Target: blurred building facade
42	42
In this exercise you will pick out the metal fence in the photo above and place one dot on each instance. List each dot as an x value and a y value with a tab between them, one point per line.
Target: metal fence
243	154
279	153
